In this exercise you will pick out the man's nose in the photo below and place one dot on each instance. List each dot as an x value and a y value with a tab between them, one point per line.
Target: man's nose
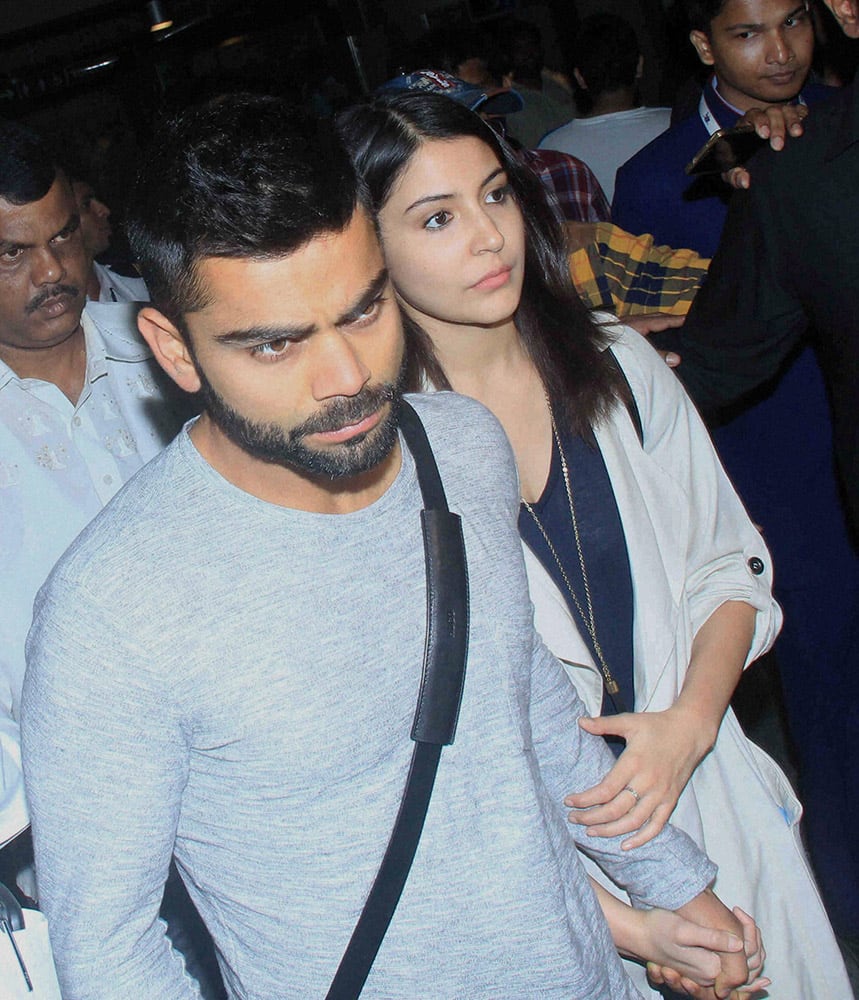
339	369
48	267
780	51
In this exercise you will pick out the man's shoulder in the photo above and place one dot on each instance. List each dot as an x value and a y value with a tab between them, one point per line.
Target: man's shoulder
114	326
455	419
131	528
468	441
558	139
668	151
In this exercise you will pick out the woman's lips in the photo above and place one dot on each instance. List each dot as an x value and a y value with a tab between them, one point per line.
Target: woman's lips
495	279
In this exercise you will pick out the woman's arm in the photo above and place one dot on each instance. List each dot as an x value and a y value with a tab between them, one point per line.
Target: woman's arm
664	748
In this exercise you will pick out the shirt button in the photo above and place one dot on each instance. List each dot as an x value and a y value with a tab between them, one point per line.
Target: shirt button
109	479
756	565
77	421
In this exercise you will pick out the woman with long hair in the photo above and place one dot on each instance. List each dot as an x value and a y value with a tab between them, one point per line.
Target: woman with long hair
648	579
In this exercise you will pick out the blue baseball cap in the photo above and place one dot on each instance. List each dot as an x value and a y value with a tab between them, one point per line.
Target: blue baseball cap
489	101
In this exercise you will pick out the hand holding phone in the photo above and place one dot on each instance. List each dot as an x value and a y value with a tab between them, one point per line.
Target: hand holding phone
727	148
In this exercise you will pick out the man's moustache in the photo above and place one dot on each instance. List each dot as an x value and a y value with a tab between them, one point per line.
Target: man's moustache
346	410
51	293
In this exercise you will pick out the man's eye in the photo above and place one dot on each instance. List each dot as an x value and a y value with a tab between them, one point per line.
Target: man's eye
271	349
65	234
438	221
371	312
12	254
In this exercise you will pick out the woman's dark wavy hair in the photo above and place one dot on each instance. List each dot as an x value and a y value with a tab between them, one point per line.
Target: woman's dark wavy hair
566	346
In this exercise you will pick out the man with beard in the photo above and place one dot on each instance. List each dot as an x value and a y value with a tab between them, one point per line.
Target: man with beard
82	407
225	665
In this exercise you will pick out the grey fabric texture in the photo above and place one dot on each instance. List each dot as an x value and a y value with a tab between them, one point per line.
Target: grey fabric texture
235	681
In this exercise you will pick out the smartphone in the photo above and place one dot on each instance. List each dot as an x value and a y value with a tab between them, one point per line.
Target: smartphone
729	147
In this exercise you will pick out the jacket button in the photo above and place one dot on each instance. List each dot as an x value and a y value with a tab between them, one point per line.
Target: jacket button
756	565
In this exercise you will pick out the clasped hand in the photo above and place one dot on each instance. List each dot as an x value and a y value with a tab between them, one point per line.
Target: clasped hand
691	963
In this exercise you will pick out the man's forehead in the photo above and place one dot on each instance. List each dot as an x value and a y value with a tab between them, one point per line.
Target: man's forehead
757	11
40	219
323	275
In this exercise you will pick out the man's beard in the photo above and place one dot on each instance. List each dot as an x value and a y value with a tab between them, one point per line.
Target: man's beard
273	444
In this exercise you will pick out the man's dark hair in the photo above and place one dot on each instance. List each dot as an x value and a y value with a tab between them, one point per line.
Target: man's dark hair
241	176
700	13
606	53
520	51
448	49
28	166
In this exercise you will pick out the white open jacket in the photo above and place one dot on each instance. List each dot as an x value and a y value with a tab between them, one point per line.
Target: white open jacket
691	548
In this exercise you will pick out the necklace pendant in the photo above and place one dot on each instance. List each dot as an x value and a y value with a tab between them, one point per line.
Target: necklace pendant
612	686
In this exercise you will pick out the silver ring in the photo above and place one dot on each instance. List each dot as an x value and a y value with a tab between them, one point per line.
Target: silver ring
633	793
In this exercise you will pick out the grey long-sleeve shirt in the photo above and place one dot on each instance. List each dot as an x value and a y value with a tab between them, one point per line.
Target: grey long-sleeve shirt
234	681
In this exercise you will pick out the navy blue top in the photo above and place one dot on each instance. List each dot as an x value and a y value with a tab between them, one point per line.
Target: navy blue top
606	558
653	194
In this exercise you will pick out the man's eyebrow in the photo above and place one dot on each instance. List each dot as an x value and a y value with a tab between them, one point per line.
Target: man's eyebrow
801	8
365	299
252	335
449	194
72	223
265	334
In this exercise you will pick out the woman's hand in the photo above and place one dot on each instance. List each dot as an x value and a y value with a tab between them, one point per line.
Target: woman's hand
688	979
682	948
642	789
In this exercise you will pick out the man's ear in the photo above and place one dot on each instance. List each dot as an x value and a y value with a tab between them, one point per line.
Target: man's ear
846	13
580	80
169	348
702	46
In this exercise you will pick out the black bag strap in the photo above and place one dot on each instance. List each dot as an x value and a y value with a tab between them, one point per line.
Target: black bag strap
436	714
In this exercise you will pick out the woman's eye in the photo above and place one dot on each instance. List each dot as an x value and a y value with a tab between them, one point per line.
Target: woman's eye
498	195
271	348
438	220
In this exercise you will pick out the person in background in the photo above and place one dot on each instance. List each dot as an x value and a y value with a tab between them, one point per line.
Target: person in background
760	53
611	125
104	284
787	270
521	65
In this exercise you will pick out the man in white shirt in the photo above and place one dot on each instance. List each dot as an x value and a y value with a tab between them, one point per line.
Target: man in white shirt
612	127
82	407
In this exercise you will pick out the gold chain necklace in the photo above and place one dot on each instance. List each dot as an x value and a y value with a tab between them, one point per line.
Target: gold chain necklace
588	619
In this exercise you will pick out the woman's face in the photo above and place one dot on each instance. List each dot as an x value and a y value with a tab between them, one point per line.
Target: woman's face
453	236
